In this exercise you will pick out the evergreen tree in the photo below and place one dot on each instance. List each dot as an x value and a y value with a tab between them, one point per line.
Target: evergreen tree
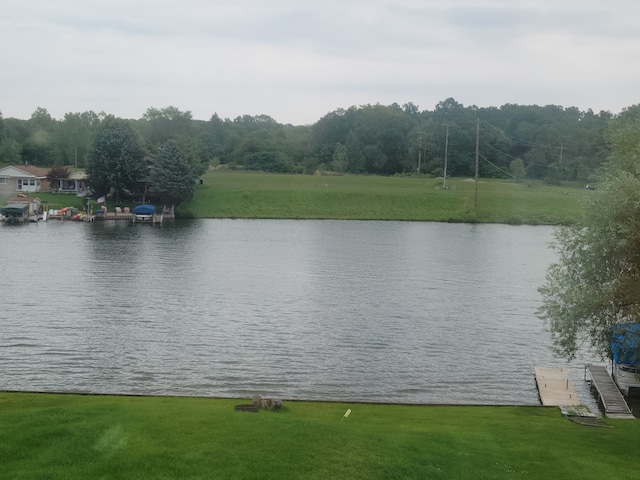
172	177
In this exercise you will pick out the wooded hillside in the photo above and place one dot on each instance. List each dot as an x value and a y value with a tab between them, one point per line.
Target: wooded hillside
550	142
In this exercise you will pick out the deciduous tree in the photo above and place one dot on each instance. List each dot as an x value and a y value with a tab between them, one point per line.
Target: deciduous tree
116	159
595	283
57	173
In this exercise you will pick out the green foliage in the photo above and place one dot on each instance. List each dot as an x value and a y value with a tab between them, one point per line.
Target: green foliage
84	436
158	126
38	147
340	158
172	177
10	151
74	137
554	143
596	281
116	159
622	135
269	161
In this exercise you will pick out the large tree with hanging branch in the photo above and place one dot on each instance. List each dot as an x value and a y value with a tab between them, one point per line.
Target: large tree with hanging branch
595	284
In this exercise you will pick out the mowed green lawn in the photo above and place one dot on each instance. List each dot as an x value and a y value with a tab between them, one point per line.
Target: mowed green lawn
228	194
240	194
106	437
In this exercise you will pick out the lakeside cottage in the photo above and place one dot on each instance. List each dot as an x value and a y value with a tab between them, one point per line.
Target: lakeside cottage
23	179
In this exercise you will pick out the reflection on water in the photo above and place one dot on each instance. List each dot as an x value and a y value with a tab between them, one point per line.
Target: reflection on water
334	310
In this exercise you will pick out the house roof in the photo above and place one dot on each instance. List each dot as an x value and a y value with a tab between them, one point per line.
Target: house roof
78	176
23	171
35	171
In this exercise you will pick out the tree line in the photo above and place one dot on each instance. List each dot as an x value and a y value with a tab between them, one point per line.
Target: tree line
550	142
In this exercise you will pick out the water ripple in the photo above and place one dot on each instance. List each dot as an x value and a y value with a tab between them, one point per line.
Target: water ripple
353	311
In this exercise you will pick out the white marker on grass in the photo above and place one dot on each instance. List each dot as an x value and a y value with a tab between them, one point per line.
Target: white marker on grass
346	414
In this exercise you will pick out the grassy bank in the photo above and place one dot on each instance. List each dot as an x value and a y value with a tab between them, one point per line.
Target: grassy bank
80	437
226	194
229	194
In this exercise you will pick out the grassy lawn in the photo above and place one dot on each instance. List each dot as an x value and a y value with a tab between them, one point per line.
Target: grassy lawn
226	194
80	437
233	194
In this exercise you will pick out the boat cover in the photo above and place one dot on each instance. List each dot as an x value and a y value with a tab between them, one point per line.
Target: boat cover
15	209
144	210
625	340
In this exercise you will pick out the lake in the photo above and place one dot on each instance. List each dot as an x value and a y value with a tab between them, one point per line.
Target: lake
400	312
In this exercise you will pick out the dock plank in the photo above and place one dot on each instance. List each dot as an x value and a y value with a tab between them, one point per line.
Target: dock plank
555	388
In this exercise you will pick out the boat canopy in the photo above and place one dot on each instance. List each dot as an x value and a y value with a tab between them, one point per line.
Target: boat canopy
625	343
15	209
144	210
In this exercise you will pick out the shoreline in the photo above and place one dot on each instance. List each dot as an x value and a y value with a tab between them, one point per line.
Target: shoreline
284	399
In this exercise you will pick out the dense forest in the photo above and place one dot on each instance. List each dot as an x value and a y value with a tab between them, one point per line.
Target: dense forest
550	143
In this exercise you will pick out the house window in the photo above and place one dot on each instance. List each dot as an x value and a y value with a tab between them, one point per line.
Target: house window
19	184
32	181
4	180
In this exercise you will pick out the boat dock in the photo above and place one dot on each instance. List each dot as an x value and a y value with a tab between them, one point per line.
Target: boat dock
129	216
108	216
555	388
614	404
117	216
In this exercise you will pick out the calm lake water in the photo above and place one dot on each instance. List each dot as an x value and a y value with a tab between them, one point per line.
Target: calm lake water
401	312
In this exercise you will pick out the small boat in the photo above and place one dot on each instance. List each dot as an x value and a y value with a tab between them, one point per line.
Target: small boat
625	340
145	214
21	210
15	213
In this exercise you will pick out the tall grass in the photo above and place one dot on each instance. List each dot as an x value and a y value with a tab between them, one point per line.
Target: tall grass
80	437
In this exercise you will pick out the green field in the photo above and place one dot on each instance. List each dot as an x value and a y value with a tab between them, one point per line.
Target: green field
104	437
226	194
239	194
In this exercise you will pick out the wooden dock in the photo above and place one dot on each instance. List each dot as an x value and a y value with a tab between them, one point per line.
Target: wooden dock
117	216
614	404
555	388
129	216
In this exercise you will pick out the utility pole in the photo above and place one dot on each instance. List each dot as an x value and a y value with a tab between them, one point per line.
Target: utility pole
477	156
446	148
419	150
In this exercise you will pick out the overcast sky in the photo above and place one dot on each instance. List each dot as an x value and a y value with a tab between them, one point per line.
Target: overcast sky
297	60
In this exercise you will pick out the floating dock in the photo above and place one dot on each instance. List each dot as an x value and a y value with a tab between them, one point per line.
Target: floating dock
555	388
614	404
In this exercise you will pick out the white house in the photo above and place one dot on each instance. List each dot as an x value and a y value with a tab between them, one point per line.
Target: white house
23	179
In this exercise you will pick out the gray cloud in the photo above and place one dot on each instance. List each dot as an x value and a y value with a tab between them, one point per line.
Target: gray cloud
297	60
